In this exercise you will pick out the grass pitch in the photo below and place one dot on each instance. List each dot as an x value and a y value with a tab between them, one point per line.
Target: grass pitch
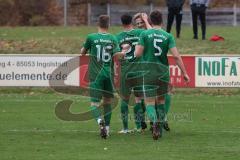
60	40
203	127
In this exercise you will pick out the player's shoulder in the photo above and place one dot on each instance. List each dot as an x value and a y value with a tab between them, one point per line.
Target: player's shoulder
138	30
166	33
92	35
112	36
145	32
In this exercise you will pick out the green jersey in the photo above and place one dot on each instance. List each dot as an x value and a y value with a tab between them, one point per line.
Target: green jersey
102	47
130	66
131	37
156	43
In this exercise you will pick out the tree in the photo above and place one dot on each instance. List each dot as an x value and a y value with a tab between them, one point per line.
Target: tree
30	12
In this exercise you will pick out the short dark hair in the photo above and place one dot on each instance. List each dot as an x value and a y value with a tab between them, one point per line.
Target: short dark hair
126	19
156	17
103	21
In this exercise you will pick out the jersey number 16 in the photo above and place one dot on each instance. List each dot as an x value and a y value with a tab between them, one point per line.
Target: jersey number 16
103	53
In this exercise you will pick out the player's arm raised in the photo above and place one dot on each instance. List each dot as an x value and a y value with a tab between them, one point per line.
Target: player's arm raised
145	19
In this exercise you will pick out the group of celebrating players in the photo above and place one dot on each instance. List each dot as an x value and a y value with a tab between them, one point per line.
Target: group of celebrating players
141	52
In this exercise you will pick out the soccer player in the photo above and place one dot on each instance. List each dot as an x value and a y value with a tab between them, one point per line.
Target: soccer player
141	21
130	36
154	45
101	46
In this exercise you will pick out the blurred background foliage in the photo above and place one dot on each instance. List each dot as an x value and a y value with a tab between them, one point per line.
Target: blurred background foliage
30	12
50	12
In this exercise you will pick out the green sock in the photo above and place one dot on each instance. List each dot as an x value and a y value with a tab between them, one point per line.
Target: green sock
161	115
151	113
167	102
160	112
137	114
107	113
95	112
124	113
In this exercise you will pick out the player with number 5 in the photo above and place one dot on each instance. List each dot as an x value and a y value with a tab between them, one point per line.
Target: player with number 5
153	46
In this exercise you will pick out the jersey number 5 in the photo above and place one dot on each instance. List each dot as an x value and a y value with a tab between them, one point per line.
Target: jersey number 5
158	50
103	54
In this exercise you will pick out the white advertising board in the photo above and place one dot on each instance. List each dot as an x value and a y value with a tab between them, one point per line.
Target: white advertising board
217	71
37	70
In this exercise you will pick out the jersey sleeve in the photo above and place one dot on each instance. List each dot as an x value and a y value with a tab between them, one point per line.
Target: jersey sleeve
116	47
172	42
141	39
87	43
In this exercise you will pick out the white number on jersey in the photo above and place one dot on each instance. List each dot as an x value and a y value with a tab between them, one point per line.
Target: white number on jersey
157	48
103	54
